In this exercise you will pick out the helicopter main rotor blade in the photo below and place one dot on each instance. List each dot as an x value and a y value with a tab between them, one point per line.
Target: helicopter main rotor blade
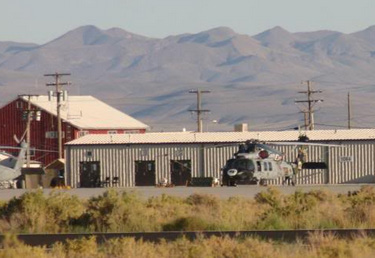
269	149
306	144
11	147
20	148
7	154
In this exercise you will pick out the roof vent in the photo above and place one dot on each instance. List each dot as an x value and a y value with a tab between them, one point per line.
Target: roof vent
241	127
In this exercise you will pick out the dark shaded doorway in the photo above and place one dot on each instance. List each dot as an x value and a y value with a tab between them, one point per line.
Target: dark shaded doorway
145	173
180	171
89	174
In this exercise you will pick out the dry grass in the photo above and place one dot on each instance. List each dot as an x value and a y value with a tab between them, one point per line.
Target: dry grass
125	212
315	246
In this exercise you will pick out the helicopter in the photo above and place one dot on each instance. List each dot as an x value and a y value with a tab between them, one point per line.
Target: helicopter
10	166
256	162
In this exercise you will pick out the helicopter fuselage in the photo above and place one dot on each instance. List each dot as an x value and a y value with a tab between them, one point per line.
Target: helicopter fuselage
253	168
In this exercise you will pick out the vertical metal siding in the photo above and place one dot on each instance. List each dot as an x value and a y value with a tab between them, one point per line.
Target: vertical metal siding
358	170
118	160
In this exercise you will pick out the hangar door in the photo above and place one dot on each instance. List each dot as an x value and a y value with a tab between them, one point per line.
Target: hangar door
145	173
89	174
180	171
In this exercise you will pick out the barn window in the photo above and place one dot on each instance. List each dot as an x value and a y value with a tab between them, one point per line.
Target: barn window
19	104
82	133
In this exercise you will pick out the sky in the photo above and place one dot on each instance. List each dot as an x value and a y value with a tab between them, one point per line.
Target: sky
40	21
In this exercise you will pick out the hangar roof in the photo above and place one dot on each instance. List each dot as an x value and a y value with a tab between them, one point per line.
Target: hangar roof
87	112
223	137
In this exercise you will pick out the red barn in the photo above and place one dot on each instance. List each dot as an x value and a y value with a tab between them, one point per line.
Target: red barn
80	115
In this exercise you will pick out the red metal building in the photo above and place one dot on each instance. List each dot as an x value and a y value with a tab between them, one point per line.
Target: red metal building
80	115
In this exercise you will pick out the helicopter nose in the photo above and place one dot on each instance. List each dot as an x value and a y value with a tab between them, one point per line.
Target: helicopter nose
232	172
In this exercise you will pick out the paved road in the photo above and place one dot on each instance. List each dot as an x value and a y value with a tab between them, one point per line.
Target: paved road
248	191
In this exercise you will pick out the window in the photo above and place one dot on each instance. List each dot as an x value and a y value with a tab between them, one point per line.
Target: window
132	131
19	104
259	167
89	154
265	164
270	166
53	135
82	133
112	132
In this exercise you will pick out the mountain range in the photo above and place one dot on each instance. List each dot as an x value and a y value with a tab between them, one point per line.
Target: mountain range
252	79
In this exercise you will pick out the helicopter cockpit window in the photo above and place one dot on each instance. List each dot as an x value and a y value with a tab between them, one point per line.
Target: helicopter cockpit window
229	163
265	165
242	165
259	167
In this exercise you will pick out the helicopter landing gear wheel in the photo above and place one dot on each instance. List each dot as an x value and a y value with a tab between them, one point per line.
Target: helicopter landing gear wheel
263	182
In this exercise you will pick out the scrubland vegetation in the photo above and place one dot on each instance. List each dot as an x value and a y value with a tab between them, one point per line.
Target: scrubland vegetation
126	212
315	246
115	211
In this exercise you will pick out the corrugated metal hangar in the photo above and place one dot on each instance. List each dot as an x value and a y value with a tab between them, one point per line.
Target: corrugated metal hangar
145	159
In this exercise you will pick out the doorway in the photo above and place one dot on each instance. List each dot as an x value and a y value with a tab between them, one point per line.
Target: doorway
89	174
145	173
180	171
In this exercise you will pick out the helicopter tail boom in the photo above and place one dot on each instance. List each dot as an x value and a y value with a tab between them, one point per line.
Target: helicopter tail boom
314	165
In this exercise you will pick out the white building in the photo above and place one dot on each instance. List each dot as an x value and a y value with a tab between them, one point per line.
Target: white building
144	159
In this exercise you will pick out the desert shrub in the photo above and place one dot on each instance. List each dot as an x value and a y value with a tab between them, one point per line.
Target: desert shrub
62	210
237	213
129	247
25	213
271	197
206	200
119	212
192	223
35	213
329	246
107	212
83	247
316	209
317	245
162	209
361	210
12	247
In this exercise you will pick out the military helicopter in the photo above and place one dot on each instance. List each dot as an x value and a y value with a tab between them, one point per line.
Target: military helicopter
10	166
256	162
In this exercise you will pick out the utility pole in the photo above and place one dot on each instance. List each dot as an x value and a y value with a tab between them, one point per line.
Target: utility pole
349	112
28	116
310	104
199	110
58	92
